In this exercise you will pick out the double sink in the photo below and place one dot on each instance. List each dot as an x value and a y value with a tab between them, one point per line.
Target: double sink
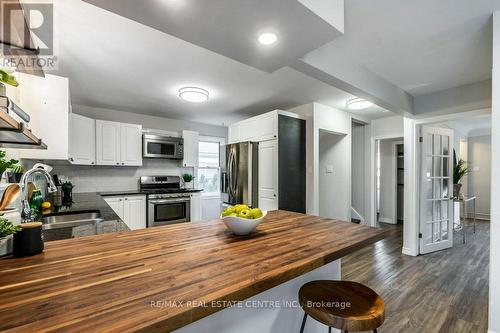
71	219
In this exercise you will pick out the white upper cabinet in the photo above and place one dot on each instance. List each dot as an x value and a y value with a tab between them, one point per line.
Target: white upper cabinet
191	148
46	100
234	133
118	144
259	128
108	135
131	145
82	140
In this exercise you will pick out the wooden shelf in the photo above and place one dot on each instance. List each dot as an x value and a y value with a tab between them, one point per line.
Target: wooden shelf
14	134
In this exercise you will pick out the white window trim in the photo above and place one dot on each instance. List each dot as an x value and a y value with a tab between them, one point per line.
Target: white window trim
222	142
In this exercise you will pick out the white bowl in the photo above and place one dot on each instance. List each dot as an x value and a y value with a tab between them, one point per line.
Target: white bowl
240	226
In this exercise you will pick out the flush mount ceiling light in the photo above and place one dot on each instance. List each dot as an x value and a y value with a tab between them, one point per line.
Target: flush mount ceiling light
268	38
358	104
194	94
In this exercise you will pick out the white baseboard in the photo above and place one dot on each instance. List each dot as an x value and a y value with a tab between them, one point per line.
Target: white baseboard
408	252
490	331
386	220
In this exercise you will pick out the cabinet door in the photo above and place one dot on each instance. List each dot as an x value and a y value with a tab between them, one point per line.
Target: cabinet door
131	145
134	211
116	204
234	133
249	130
82	140
108	142
267	127
268	175
196	207
191	148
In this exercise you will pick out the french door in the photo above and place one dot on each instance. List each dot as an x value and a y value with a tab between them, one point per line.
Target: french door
436	205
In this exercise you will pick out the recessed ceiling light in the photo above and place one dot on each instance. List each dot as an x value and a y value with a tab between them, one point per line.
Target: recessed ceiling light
358	104
194	94
268	38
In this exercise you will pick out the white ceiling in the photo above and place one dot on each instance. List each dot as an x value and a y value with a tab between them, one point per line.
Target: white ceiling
477	126
421	46
114	62
231	28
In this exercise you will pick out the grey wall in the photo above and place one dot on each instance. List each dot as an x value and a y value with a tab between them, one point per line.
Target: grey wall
104	178
479	180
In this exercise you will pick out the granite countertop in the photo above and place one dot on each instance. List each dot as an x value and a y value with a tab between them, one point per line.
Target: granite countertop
85	202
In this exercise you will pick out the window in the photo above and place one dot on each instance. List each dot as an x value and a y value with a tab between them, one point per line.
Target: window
209	168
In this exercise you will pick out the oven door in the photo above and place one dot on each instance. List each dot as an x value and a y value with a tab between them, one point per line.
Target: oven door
157	148
168	211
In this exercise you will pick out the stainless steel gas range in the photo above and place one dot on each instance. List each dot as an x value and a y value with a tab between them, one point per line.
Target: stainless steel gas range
167	202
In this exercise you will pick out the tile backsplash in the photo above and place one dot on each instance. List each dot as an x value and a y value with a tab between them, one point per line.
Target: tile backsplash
102	178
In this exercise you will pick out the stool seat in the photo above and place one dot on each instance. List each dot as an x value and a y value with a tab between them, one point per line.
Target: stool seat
345	305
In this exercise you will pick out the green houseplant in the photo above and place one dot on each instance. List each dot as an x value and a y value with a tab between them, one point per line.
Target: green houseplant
15	173
187	178
460	170
6	230
67	191
5	77
6	164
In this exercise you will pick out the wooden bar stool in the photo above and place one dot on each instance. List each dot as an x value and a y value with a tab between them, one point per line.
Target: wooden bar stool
345	305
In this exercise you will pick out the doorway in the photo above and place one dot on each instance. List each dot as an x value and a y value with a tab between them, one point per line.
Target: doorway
389	180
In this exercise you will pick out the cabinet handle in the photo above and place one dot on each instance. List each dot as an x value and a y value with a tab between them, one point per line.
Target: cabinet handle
275	195
71	159
123	163
117	163
126	198
92	163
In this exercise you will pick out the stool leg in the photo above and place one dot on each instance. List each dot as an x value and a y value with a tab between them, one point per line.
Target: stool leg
329	329
303	323
375	331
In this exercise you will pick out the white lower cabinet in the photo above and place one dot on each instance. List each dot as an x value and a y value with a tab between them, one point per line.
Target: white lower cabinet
268	175
195	207
131	209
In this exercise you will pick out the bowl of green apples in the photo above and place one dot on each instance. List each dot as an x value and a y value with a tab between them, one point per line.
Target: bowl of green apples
241	219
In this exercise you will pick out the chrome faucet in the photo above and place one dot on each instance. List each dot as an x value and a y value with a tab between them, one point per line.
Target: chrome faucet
38	168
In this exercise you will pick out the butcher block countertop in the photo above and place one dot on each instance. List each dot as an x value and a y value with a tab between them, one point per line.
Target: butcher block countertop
161	279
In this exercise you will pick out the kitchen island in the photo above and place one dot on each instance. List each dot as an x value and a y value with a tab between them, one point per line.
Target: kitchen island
180	276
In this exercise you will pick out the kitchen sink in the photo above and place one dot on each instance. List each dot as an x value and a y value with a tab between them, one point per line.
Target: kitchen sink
71	219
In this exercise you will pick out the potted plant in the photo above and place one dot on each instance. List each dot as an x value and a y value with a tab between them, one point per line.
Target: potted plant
7	229
187	178
6	164
67	191
460	169
15	173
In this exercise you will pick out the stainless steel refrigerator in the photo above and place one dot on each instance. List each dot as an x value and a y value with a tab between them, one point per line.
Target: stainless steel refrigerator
240	176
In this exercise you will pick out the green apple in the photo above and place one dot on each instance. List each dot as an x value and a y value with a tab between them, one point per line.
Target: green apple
228	211
256	213
239	208
245	214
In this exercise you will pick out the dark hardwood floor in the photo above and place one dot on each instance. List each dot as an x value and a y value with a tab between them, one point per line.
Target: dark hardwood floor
446	291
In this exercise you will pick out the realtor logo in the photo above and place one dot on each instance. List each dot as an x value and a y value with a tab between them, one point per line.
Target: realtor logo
27	34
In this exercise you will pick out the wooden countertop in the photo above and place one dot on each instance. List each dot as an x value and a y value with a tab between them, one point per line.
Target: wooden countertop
108	282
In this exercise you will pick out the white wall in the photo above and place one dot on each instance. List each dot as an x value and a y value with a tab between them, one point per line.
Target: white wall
102	178
358	169
332	177
479	179
337	122
494	288
152	122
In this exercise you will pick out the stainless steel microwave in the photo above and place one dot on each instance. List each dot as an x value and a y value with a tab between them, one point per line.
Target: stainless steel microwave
158	146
